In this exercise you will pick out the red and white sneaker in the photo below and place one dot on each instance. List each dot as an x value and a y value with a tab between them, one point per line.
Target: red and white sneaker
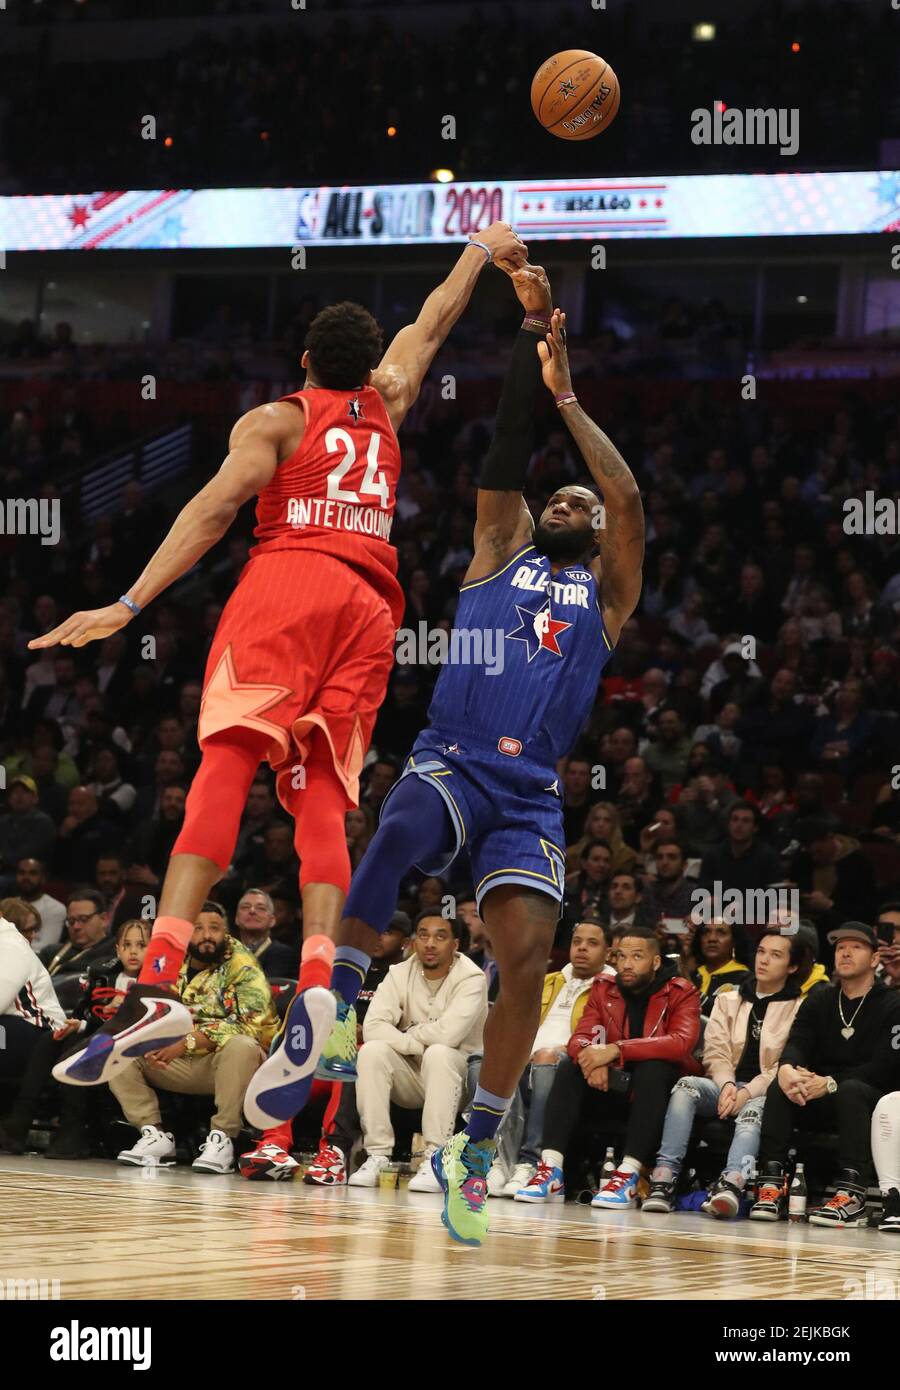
545	1185
328	1168
268	1160
618	1193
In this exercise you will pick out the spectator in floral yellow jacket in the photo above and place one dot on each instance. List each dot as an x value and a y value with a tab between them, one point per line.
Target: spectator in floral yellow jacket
223	985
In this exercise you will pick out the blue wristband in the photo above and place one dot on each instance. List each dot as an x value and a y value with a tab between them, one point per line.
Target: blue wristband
486	249
130	603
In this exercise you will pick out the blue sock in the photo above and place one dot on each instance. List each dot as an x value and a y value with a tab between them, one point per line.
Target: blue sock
487	1112
348	971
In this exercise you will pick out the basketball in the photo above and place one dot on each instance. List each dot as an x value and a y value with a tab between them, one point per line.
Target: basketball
575	94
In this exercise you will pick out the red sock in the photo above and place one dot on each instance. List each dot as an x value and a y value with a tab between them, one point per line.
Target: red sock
334	1101
166	950
315	963
282	1135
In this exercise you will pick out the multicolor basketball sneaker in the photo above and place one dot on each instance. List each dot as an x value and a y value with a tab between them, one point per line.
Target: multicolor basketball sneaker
281	1087
338	1059
461	1167
150	1017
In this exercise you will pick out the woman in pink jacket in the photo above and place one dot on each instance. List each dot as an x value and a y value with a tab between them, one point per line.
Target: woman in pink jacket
744	1037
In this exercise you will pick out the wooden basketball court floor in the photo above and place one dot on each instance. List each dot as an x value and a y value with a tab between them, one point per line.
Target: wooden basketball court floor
109	1232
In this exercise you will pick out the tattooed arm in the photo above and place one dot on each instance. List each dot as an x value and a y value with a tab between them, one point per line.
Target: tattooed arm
620	537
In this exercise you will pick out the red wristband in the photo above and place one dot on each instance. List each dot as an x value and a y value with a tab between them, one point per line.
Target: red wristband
565	398
536	321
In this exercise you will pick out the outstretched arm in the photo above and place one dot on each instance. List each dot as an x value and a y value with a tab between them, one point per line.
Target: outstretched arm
620	537
252	459
399	374
503	522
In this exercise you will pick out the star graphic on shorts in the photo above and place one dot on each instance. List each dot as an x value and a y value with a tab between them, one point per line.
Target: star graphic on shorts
78	216
229	703
566	89
538	630
355	409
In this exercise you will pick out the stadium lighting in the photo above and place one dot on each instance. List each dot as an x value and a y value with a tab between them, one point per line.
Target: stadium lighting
795	47
391	131
703	33
443	175
802	299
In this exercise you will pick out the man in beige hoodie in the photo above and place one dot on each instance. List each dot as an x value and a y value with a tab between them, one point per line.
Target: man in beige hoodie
425	1020
744	1037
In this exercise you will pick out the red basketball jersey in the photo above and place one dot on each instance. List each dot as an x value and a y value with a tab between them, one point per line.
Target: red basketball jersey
336	492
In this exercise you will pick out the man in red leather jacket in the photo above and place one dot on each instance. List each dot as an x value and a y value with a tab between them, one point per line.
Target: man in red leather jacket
635	1039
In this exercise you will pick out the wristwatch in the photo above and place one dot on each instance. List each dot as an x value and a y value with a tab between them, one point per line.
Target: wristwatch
190	1044
830	1085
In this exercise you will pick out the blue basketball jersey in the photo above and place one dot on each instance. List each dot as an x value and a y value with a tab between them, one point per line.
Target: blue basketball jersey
542	644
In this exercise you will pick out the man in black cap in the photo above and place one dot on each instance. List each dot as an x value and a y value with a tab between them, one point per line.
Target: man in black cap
837	1063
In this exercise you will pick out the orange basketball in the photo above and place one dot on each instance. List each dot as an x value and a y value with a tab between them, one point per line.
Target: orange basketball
575	94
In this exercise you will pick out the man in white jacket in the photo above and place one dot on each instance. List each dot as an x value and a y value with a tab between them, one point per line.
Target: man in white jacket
425	1020
28	1007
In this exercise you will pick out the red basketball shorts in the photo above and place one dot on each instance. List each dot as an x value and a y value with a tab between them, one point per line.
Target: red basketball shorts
304	642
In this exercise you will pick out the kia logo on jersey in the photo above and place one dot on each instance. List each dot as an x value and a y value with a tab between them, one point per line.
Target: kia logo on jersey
580	576
511	746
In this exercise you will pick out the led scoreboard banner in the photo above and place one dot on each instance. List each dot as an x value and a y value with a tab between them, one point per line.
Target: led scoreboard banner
714	205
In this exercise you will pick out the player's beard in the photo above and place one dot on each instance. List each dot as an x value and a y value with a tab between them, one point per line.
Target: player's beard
561	544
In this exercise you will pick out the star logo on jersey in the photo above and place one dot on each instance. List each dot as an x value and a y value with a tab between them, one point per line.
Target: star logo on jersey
538	630
355	408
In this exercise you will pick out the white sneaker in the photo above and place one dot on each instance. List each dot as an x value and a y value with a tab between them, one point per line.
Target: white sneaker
423	1179
216	1154
370	1172
496	1179
154	1149
521	1177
